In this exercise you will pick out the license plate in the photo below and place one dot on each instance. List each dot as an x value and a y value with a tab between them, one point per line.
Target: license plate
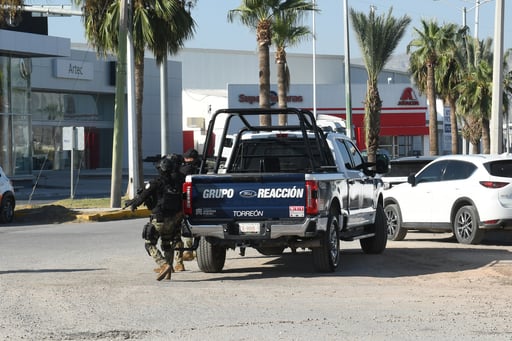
249	227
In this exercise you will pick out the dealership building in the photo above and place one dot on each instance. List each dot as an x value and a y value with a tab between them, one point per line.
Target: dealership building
48	86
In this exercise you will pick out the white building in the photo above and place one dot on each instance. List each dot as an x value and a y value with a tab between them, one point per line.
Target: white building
215	79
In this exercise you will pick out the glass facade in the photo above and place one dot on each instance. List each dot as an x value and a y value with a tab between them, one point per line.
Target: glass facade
399	146
53	111
15	122
31	124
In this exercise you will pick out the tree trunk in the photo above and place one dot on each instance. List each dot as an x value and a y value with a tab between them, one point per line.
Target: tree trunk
372	119
454	126
281	84
431	96
264	75
264	37
474	148
139	97
486	140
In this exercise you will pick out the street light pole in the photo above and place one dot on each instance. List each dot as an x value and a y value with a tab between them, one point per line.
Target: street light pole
475	34
477	16
348	101
496	122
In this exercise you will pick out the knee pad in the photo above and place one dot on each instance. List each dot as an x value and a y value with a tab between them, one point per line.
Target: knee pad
150	233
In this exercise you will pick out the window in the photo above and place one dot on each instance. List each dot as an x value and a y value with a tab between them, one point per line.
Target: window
458	170
500	168
350	152
432	173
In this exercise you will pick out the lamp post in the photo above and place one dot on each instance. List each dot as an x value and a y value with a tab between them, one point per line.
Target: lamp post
348	101
496	122
476	7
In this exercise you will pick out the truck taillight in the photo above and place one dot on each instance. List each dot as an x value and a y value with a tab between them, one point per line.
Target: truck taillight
311	197
187	198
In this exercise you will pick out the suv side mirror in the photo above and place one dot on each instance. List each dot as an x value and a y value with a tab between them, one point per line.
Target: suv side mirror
411	179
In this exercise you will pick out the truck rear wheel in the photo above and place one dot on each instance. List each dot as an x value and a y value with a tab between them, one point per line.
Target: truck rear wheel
210	257
326	258
377	243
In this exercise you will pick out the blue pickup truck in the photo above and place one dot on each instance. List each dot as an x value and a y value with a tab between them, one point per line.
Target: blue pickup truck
273	187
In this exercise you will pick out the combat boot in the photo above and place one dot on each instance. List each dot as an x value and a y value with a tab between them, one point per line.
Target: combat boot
188	256
164	270
179	267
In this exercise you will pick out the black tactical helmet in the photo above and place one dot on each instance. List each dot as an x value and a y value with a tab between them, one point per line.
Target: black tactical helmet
171	163
167	165
191	154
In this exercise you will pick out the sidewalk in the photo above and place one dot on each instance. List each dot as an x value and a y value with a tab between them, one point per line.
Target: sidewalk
53	185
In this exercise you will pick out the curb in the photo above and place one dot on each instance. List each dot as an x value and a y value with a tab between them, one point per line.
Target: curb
113	215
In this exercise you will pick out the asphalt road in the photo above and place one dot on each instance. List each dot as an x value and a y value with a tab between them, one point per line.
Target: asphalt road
94	281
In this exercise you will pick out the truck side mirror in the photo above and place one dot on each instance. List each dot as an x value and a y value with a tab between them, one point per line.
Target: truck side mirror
382	166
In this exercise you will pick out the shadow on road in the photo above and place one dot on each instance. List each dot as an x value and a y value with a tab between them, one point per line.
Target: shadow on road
400	259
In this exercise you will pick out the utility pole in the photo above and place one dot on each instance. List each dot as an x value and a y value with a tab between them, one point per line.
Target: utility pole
163	108
496	123
117	145
133	155
348	96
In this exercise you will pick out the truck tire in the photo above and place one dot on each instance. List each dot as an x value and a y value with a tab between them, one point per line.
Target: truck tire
394	223
326	258
210	257
465	226
377	243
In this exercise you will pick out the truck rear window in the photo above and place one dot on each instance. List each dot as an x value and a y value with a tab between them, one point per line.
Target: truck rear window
273	155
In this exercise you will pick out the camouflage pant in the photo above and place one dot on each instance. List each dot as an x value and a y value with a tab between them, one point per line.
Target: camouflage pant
183	242
168	230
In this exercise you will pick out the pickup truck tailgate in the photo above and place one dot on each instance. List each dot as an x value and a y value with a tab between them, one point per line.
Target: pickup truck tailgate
246	197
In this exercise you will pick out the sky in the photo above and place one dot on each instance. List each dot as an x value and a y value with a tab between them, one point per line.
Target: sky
214	31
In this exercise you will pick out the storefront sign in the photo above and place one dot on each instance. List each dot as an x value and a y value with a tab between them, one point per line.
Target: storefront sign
408	97
73	69
243	98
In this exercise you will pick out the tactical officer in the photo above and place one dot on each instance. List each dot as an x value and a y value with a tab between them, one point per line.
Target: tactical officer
190	166
163	196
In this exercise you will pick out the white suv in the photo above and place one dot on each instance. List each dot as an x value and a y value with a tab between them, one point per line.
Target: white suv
7	200
463	194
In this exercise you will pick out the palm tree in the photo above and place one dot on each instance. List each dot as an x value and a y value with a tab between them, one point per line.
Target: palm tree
475	93
162	26
259	15
9	11
448	76
424	53
286	33
377	36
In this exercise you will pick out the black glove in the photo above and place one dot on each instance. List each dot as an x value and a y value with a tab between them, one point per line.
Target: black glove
130	203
